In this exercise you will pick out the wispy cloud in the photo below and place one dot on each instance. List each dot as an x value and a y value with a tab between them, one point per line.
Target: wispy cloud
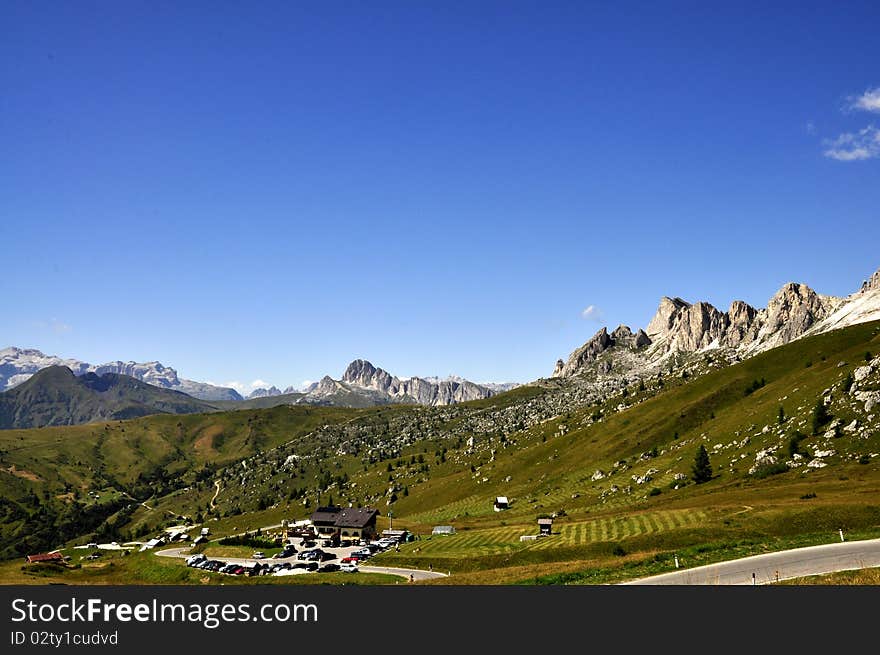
868	101
854	146
56	326
862	144
306	383
592	313
810	127
234	384
260	384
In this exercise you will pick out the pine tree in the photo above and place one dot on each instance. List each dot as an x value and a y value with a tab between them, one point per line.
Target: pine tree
820	416
781	415
702	470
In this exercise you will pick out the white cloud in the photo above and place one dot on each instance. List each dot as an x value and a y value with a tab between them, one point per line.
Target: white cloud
234	384
854	146
56	326
868	101
592	313
260	384
306	383
810	127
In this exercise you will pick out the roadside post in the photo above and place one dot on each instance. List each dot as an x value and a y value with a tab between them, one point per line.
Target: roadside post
676	560
840	530
754	580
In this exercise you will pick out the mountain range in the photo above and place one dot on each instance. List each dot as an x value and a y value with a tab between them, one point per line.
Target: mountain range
55	396
19	364
683	328
61	395
74	392
372	385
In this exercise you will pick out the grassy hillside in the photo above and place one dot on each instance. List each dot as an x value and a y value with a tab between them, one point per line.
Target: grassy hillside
613	469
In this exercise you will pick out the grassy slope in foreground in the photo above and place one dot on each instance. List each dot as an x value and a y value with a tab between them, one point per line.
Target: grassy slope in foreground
734	511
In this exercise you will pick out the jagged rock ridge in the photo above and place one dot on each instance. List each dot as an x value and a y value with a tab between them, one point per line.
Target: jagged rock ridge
364	383
678	326
424	392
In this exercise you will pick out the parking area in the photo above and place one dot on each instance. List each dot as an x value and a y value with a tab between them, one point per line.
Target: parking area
301	556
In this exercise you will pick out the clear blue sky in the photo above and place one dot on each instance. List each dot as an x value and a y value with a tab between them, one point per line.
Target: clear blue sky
268	190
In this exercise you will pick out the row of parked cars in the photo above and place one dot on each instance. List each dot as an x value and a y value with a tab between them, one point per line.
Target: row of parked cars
311	565
368	549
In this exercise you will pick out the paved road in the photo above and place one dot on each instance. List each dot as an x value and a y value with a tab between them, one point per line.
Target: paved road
417	574
787	564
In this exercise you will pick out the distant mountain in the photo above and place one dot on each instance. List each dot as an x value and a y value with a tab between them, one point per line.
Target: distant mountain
497	387
265	393
17	365
364	385
679	327
56	396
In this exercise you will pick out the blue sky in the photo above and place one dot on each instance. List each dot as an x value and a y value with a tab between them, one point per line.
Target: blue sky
267	192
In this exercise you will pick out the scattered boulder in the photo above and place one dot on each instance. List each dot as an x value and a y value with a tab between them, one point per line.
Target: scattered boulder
862	372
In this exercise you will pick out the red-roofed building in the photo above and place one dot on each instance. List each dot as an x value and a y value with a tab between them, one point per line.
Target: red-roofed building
45	557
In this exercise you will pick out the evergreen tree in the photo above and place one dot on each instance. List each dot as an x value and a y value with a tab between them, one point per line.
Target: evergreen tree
781	415
702	469
820	416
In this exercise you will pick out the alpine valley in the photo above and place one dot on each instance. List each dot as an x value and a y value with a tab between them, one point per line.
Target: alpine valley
783	399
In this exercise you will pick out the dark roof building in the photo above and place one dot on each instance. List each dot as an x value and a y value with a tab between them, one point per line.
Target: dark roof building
356	517
325	516
346	522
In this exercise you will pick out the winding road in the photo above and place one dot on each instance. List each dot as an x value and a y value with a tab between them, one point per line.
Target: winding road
771	567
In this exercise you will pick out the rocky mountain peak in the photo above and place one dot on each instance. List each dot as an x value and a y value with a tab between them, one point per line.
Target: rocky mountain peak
599	343
872	283
262	392
364	374
669	309
792	311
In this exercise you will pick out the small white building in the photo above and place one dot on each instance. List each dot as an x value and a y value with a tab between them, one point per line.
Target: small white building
501	503
443	530
152	543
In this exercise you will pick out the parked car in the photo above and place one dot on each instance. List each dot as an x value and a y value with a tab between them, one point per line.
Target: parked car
258	555
308	543
348	567
192	560
328	568
312	566
362	553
